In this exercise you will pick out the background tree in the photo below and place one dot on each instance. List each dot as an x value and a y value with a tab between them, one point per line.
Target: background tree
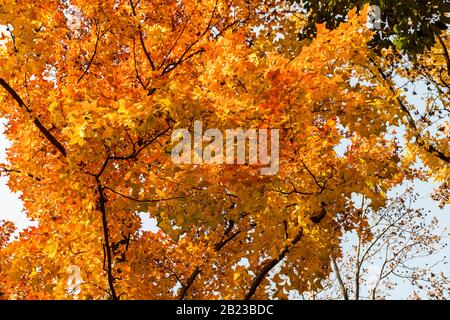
396	244
411	26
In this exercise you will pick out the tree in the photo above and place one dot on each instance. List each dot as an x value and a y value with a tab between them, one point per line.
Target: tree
426	121
411	26
411	49
386	250
93	90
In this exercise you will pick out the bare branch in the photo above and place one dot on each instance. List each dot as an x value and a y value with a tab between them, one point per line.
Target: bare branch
339	278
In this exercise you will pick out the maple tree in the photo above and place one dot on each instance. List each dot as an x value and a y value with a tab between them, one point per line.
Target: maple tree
92	91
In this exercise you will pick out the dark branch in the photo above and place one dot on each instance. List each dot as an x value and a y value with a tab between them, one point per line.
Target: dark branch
446	54
135	153
217	247
189	282
141	38
91	60
223	243
50	137
322	187
20	172
179	36
135	66
107	247
259	277
140	200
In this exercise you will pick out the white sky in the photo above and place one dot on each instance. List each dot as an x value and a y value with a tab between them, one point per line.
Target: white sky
11	208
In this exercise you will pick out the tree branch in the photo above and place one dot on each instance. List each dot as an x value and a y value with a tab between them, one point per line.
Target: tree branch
135	66
141	38
322	187
50	137
339	278
446	54
92	58
270	265
20	172
109	271
135	153
179	36
140	200
419	139
189	282
217	247
223	243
